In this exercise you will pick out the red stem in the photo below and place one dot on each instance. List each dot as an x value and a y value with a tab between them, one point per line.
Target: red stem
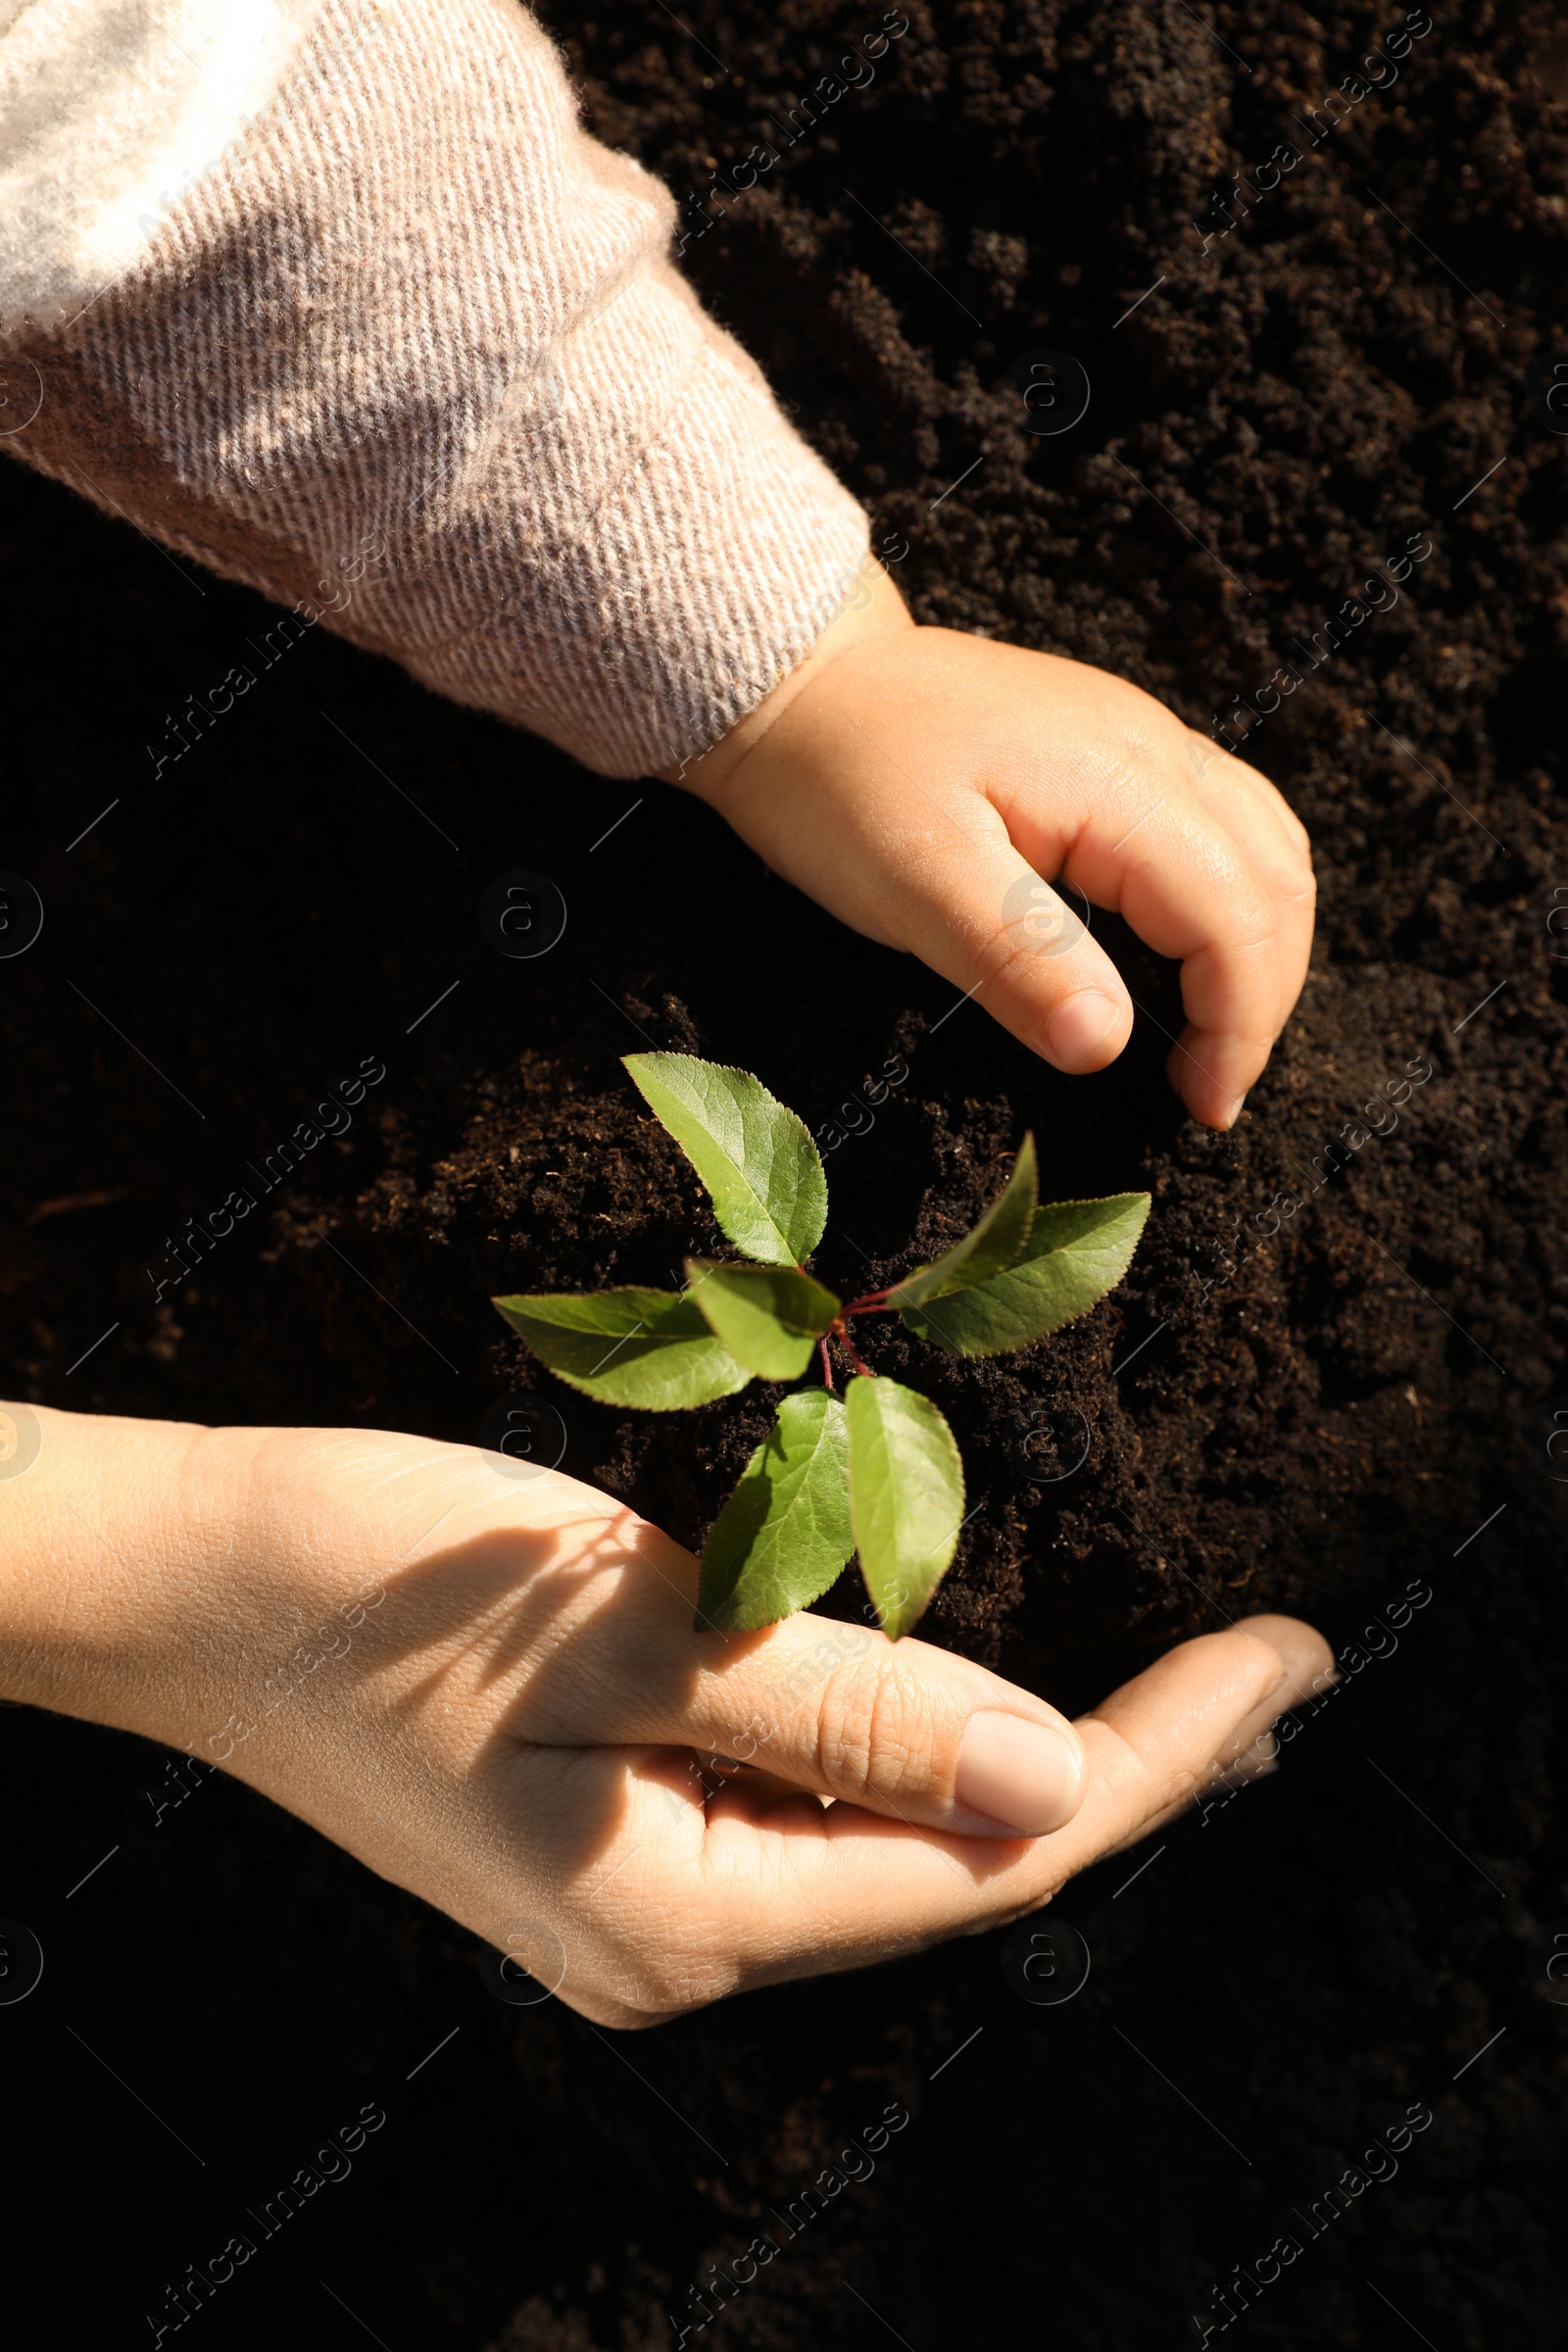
841	1333
827	1363
873	1303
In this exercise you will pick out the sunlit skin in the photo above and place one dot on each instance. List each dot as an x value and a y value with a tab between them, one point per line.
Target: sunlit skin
918	783
488	1687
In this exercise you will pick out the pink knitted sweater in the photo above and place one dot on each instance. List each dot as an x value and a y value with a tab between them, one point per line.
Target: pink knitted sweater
409	352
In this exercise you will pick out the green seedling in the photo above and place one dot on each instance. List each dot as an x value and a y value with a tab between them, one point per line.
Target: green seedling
871	1468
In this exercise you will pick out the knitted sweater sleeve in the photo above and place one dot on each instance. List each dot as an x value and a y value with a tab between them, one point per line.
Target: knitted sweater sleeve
338	296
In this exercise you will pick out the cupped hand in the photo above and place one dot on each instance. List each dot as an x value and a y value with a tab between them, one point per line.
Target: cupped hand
488	1687
928	787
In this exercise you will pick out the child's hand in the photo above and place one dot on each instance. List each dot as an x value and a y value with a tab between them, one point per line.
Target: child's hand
919	783
487	1687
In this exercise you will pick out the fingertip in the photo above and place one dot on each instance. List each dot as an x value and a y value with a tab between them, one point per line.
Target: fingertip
1026	1776
1303	1654
1208	1100
1087	1030
1294	1662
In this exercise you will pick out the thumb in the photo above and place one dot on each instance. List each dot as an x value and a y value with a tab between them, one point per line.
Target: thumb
899	1728
923	862
961	897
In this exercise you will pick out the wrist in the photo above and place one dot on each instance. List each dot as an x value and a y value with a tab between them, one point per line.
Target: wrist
108	1543
875	610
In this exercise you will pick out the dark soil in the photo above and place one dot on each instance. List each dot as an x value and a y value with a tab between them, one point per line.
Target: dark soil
1315	1421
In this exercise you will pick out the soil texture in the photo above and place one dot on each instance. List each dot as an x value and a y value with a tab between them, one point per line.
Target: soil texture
1328	1379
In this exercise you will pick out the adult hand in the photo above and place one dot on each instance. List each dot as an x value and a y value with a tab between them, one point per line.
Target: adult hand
488	1687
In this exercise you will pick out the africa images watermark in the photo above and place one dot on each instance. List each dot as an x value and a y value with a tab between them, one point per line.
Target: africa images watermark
1379	72
1381	594
201	2281
1381	1114
183	732
857	71
860	1116
1377	1638
302	1660
857	2162
333	1117
1377	2163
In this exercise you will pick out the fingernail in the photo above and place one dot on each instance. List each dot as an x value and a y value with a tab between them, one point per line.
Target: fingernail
1029	1776
1077	1030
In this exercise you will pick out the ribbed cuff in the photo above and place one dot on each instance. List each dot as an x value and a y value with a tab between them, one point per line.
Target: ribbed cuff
413	308
704	576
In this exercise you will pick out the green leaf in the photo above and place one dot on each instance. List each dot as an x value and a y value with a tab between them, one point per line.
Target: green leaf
768	1317
999	1237
649	1348
906	1496
1078	1251
784	1534
757	1159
